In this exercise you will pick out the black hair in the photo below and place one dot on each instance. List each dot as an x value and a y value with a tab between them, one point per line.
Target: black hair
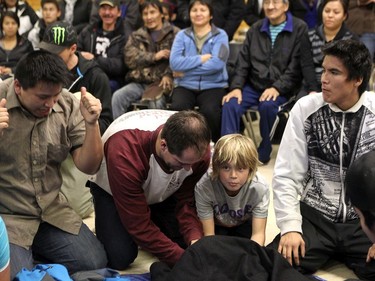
355	57
207	3
155	4
41	66
12	15
359	186
168	7
186	129
344	4
55	2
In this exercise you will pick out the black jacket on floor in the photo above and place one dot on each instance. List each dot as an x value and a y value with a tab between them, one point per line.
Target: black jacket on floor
223	258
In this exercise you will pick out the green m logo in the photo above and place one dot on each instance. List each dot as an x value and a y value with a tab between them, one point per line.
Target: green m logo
58	35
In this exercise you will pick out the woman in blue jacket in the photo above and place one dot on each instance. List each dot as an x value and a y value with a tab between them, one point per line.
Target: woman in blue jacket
198	60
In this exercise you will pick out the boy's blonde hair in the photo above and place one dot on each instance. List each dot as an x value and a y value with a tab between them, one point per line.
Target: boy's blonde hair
238	150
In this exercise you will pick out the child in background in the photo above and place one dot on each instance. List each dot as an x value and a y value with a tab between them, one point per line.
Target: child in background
233	198
50	14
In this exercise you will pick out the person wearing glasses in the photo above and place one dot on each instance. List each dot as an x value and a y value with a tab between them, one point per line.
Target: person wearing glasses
144	190
267	71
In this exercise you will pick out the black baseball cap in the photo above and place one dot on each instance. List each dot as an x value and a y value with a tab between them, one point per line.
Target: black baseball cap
57	37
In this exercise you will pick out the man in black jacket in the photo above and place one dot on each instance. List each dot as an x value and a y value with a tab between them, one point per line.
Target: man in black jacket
222	258
60	38
103	41
267	71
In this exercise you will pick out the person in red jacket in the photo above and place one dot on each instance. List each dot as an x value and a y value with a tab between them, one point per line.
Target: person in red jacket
144	193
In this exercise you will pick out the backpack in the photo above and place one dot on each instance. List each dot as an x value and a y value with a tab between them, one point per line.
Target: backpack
107	274
44	272
58	272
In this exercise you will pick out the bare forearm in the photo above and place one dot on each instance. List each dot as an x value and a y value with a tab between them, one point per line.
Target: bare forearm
89	156
259	238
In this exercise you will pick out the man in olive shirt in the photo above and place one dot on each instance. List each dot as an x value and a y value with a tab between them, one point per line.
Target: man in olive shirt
40	123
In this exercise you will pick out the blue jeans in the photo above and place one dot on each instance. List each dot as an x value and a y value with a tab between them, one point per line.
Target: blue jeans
115	85
232	112
125	96
369	40
52	245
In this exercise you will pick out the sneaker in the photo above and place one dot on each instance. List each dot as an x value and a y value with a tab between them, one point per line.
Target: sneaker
264	163
264	152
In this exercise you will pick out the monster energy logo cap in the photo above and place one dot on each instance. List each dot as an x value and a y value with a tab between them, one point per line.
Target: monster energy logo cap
57	37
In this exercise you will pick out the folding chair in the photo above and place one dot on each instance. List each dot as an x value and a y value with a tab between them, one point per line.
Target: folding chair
247	118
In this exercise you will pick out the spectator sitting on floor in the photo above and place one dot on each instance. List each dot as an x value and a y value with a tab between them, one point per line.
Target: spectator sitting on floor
269	65
147	58
50	14
40	124
60	38
104	42
325	133
198	60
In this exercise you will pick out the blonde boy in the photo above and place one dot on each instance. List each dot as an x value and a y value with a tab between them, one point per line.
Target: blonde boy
233	198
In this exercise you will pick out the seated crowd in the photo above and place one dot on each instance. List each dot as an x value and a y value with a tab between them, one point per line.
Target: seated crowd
165	178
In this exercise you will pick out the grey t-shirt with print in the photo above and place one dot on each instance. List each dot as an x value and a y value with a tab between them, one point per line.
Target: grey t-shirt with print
213	202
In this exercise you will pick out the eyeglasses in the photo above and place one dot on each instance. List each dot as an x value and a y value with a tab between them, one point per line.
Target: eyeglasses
274	2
